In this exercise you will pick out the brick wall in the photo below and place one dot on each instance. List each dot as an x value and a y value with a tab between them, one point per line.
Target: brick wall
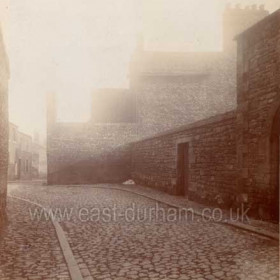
212	160
4	76
258	114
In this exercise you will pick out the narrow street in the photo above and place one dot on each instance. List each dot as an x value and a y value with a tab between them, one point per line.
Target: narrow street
118	235
139	140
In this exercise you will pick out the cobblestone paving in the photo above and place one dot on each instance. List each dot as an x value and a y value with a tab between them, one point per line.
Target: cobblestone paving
182	202
29	249
121	249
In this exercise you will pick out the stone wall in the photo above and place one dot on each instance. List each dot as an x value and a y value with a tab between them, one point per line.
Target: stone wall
212	160
89	153
4	128
258	114
167	90
233	159
184	87
181	88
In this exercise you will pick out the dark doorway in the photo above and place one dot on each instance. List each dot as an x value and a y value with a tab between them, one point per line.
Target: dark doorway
275	163
183	169
19	169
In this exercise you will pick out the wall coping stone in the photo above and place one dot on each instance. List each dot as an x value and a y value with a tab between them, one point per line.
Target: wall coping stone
204	122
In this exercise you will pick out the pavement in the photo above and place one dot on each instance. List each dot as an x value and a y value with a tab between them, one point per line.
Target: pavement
116	234
238	219
29	249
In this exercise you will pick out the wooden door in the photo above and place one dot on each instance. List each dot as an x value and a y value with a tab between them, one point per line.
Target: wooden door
182	169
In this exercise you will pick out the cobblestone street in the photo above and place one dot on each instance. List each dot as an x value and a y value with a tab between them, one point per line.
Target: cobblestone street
139	140
119	235
29	250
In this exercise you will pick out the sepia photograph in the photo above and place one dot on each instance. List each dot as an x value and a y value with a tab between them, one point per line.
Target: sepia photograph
139	139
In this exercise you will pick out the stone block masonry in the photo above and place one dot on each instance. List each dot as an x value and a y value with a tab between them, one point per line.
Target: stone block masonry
212	165
258	69
4	77
184	87
89	153
232	159
167	90
228	160
94	151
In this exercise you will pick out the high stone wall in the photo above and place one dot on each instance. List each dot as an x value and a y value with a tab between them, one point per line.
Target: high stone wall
233	159
258	114
4	128
212	165
89	153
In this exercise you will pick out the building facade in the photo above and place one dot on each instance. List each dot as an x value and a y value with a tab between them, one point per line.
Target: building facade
39	158
233	158
4	127
167	90
13	146
258	114
185	87
20	154
27	158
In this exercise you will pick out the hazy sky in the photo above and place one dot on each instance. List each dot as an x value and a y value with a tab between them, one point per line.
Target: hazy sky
71	47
